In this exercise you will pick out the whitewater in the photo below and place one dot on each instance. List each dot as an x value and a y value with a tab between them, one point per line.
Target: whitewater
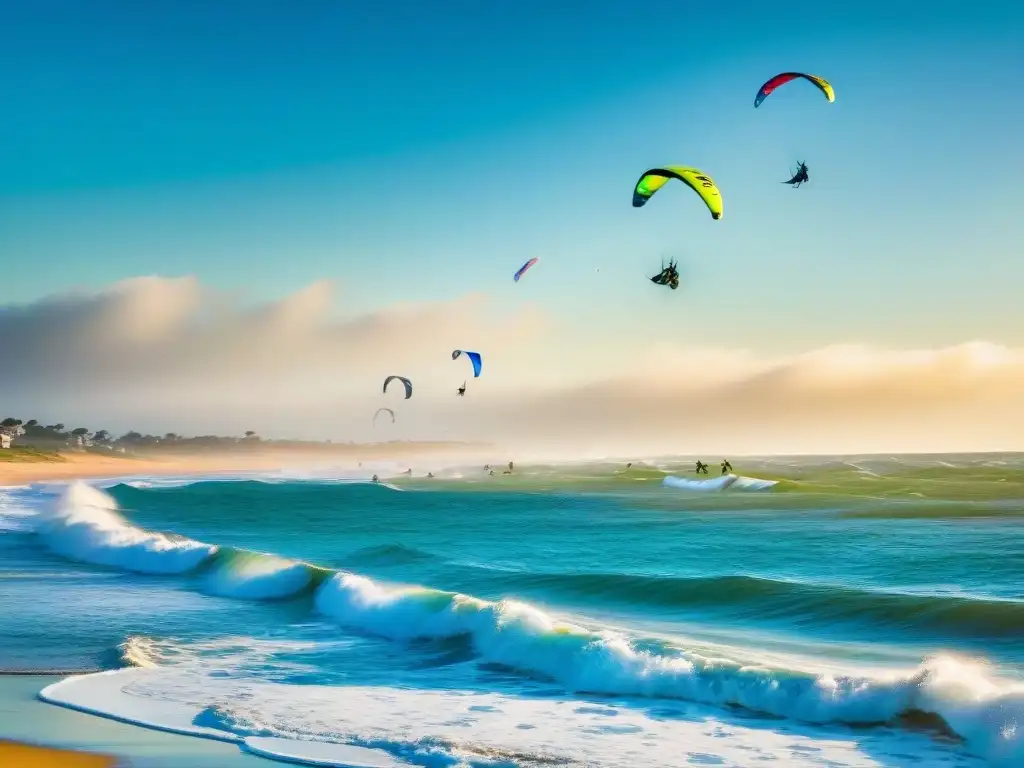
806	612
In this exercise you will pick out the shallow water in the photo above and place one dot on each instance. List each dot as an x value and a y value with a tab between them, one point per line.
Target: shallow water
865	611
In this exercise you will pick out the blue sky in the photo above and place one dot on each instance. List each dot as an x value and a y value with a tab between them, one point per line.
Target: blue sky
415	151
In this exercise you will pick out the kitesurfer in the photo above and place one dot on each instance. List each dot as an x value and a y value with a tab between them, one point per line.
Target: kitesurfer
491	472
668	276
430	474
726	466
511	466
486	467
799	177
462	390
701	467
375	479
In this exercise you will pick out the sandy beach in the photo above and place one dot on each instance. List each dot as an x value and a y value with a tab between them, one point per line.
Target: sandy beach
69	466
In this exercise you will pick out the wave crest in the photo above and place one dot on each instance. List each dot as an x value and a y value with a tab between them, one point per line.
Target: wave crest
84	524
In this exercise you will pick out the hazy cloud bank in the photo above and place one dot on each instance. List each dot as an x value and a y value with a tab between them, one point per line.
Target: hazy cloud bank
159	354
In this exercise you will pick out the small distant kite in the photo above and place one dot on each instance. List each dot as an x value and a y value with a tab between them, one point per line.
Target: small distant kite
766	90
384	410
474	358
519	272
654	179
405	381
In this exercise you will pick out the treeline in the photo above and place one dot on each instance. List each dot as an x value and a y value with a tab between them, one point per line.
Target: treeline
32	432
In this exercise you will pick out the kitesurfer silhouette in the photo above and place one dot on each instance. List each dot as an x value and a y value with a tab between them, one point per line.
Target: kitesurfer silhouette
462	390
668	276
701	467
726	466
375	479
800	176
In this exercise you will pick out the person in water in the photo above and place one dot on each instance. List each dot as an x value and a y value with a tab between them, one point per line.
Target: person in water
430	474
726	466
511	466
491	472
487	467
375	479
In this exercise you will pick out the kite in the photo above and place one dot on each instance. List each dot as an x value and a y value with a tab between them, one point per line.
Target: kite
474	358
766	90
655	178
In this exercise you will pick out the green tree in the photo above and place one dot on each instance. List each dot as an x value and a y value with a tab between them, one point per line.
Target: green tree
9	422
79	432
101	436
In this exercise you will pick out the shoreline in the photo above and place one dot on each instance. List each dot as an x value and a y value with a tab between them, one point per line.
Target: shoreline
26	719
73	466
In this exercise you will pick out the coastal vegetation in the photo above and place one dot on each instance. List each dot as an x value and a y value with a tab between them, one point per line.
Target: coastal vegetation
31	438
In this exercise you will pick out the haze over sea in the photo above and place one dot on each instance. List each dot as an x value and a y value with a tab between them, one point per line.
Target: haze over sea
859	612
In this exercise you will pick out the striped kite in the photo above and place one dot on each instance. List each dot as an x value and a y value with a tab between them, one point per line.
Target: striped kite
519	272
823	85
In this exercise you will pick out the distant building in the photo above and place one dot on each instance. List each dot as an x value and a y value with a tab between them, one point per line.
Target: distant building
7	435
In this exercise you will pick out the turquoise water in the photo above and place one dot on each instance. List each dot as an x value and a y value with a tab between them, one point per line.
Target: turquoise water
855	612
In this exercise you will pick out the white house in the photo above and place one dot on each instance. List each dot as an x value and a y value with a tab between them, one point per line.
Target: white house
7	435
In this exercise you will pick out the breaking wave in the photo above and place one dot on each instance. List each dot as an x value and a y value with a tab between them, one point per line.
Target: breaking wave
722	483
84	524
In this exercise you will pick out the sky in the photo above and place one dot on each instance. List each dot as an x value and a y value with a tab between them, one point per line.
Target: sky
327	173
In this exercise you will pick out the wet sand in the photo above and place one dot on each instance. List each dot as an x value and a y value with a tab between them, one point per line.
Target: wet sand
26	719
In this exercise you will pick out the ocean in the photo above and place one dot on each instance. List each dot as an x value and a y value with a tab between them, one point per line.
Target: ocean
827	611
